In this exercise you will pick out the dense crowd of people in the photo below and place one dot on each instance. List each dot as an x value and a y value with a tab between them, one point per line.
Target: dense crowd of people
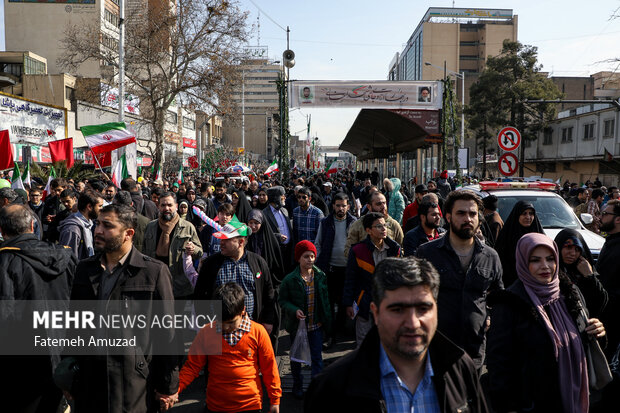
451	307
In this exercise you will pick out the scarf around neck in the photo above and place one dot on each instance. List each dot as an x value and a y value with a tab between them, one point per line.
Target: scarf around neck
569	353
163	246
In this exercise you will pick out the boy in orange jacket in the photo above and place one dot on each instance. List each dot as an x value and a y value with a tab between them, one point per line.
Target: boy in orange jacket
233	383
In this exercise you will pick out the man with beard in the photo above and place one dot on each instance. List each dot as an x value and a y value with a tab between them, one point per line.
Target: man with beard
330	241
76	232
404	363
221	197
167	237
306	218
357	233
469	271
278	219
428	230
109	193
130	381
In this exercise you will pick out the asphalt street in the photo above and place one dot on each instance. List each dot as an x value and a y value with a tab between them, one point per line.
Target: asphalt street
192	399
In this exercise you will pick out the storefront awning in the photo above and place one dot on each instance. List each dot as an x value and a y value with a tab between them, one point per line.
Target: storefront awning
378	133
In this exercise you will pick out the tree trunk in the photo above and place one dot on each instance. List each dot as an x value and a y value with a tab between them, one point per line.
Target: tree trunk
158	132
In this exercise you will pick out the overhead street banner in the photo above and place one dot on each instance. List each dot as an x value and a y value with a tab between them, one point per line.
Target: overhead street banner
379	94
30	122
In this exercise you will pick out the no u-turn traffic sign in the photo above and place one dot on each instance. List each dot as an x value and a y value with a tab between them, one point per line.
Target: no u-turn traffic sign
509	138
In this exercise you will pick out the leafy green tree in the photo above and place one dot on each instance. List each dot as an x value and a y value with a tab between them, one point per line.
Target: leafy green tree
499	97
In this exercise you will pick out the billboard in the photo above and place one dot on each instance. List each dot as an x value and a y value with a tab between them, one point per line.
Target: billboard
378	94
30	122
109	97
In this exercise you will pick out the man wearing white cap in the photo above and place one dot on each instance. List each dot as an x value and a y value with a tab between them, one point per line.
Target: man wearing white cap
234	264
327	194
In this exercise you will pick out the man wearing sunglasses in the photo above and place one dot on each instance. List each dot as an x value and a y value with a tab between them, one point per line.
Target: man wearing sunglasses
306	218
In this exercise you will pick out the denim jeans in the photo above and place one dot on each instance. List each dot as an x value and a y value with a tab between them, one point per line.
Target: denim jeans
315	339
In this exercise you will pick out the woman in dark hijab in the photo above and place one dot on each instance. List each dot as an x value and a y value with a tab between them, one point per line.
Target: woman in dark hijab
263	242
535	349
577	264
241	204
522	220
317	201
263	198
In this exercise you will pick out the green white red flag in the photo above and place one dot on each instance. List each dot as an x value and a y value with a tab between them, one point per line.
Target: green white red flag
107	137
180	175
48	187
120	171
16	179
333	168
273	168
26	175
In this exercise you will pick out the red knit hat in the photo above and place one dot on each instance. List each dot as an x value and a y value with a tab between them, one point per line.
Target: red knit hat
444	175
303	246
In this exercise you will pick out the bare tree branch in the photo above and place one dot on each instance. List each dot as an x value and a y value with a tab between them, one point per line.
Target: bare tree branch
173	51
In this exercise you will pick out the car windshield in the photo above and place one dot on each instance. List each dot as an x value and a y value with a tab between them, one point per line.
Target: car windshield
553	212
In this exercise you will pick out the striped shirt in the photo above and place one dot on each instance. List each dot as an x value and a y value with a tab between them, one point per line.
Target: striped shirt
240	273
398	397
309	286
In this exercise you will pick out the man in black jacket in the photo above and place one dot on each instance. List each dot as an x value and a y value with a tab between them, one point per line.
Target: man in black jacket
607	267
118	272
428	230
31	269
143	206
330	241
469	270
404	357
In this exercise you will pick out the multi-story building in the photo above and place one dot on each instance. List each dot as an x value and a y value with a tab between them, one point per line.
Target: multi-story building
459	40
463	39
257	101
51	20
580	145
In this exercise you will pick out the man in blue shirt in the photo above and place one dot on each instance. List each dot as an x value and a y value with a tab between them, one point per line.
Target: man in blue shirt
306	218
404	364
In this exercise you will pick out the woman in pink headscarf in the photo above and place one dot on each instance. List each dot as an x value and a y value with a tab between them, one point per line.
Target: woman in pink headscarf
535	353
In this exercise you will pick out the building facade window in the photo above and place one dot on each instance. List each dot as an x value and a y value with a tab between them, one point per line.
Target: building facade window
172	117
189	123
588	131
567	135
548	137
33	66
111	18
609	127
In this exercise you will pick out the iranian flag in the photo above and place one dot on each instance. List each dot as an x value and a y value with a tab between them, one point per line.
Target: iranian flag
159	174
120	171
272	168
16	179
180	175
333	168
48	187
26	175
107	137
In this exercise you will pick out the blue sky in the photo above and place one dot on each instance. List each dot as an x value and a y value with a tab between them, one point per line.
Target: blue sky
356	40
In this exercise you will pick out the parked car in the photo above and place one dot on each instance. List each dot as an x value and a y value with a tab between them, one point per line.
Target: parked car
552	210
